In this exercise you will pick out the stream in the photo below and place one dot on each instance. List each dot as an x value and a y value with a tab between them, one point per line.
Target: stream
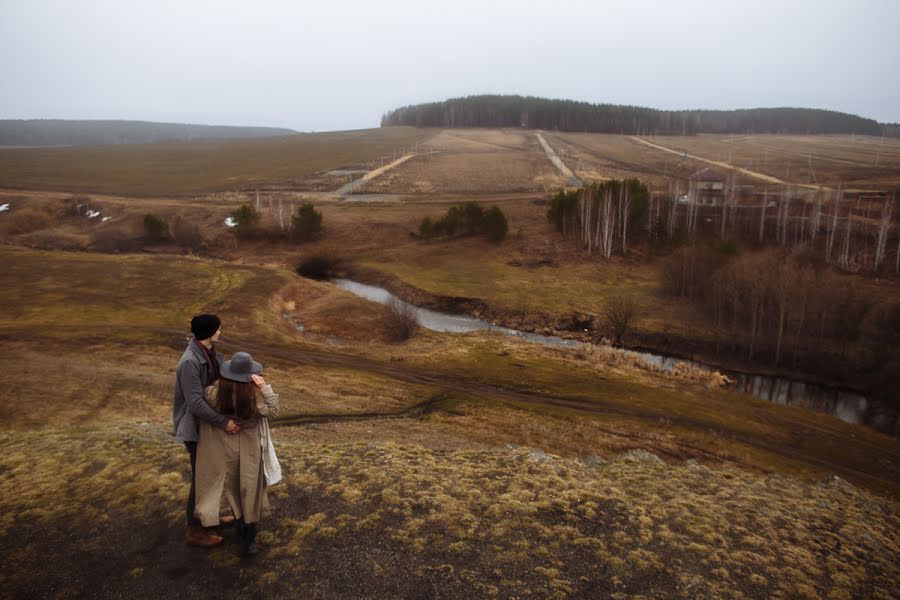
847	405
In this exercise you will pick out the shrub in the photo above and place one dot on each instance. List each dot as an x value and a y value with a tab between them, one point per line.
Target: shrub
494	224
401	321
306	225
426	228
76	206
619	313
114	239
246	219
319	266
466	219
155	228
187	233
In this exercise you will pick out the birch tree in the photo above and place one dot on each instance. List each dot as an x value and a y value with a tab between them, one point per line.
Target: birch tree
883	227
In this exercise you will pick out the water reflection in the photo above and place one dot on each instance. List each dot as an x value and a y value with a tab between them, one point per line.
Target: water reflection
846	405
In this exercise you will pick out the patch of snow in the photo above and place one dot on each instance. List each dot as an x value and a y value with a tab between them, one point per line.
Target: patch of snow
230	223
91	214
105	219
4	207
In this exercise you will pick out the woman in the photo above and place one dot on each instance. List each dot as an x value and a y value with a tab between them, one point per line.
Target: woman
244	464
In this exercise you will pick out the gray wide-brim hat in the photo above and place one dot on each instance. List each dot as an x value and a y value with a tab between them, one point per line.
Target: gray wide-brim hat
240	367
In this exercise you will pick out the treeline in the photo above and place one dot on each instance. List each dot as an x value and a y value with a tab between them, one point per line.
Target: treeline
787	307
569	115
464	220
50	132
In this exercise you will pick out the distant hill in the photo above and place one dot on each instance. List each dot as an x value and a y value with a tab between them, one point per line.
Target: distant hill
569	115
53	132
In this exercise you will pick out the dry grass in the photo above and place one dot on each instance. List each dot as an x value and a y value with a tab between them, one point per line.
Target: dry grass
43	290
478	522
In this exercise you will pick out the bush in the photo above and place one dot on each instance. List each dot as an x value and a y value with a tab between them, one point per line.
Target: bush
246	219
155	228
426	228
76	206
619	313
114	239
187	234
466	219
401	321
494	224
319	266
306	225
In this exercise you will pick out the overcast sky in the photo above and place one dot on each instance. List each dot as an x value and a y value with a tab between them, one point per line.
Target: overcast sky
334	64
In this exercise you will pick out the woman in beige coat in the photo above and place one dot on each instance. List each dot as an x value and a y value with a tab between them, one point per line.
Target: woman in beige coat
244	464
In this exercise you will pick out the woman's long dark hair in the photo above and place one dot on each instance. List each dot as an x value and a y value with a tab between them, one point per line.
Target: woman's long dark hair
237	398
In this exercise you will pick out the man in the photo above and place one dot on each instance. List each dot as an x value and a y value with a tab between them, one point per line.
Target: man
198	368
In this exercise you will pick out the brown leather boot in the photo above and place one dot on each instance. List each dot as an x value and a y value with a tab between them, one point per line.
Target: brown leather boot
197	536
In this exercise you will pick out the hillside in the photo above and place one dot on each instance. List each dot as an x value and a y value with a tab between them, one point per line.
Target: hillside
569	115
56	132
450	466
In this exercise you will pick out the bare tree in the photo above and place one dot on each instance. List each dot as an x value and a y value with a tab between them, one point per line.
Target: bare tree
673	213
883	227
762	214
832	228
402	321
619	314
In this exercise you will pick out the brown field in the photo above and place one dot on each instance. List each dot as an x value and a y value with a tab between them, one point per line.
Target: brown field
473	162
854	161
197	167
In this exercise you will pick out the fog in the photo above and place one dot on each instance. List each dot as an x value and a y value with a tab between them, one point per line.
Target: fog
341	65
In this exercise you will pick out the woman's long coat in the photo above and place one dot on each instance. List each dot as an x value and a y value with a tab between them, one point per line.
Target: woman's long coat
235	463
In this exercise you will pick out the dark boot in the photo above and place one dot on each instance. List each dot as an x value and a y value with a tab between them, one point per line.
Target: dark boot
239	526
248	540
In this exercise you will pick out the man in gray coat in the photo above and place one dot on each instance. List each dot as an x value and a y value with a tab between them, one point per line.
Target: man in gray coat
198	368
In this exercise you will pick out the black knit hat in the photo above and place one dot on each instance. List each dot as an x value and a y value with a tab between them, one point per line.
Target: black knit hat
205	326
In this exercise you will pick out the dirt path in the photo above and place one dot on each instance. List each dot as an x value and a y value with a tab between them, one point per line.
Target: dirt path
730	167
348	188
557	161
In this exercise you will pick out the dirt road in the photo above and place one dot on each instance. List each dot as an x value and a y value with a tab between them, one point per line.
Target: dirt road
730	167
557	161
348	188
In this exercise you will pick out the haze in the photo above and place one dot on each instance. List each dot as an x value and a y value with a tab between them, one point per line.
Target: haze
330	66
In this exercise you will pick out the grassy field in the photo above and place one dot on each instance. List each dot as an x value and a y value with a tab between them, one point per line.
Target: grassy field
197	167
